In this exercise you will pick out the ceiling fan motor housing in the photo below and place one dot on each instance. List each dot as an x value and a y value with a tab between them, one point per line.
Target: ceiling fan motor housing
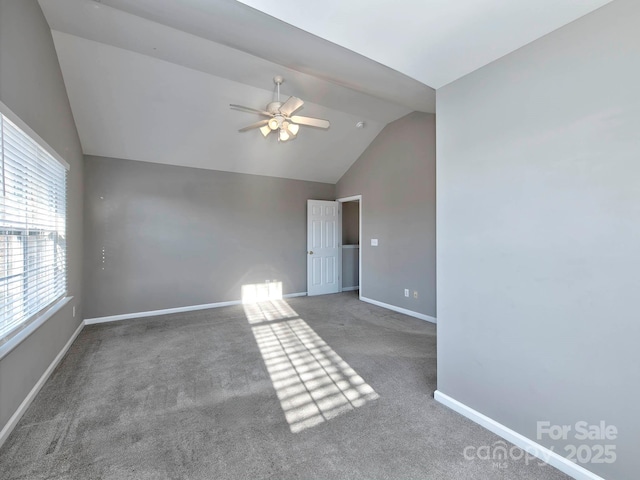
274	107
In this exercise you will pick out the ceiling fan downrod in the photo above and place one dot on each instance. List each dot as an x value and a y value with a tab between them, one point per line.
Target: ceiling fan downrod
278	80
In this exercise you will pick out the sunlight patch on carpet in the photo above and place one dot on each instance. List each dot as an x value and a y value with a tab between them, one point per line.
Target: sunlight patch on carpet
313	383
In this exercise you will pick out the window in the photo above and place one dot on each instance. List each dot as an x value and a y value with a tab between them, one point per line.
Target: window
33	266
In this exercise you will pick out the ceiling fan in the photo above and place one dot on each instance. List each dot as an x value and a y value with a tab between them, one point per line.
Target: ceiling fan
281	118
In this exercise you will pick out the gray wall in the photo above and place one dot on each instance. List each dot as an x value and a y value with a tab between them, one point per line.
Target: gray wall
350	223
396	178
350	267
178	236
539	234
31	86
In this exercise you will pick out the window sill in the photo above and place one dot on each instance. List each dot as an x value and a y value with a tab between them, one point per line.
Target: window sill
21	335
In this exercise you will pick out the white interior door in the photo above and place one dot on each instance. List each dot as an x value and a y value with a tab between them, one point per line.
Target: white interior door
324	227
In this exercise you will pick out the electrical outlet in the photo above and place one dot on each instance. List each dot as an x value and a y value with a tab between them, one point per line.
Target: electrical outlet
374	242
406	292
415	294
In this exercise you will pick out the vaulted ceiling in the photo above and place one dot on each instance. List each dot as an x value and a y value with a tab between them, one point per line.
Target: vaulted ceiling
433	41
152	80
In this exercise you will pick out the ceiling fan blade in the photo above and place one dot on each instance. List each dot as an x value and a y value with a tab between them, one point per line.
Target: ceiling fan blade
312	122
261	123
249	110
290	106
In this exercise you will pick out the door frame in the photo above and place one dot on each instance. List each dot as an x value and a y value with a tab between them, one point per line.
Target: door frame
360	244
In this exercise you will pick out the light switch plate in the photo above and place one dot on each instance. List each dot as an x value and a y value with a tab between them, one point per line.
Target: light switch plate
374	242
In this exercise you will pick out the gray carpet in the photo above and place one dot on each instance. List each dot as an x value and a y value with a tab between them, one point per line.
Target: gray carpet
311	388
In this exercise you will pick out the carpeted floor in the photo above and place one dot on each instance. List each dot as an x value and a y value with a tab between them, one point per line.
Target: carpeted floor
308	388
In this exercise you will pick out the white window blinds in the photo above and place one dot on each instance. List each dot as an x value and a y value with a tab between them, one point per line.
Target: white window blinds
32	228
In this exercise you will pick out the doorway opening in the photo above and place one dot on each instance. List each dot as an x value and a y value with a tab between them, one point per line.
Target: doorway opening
351	246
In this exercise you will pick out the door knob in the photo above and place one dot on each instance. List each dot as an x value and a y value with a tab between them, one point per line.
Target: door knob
310	252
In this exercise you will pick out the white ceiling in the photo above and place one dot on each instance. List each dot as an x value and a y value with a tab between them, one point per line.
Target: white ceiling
230	23
142	90
433	41
152	80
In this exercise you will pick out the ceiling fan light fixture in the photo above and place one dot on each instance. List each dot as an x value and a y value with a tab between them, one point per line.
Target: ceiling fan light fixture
293	128
265	130
284	135
274	124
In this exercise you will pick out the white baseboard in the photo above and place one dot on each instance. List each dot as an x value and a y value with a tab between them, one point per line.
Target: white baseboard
167	311
546	455
350	289
15	418
411	313
292	295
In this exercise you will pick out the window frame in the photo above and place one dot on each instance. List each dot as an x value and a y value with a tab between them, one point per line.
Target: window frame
16	336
